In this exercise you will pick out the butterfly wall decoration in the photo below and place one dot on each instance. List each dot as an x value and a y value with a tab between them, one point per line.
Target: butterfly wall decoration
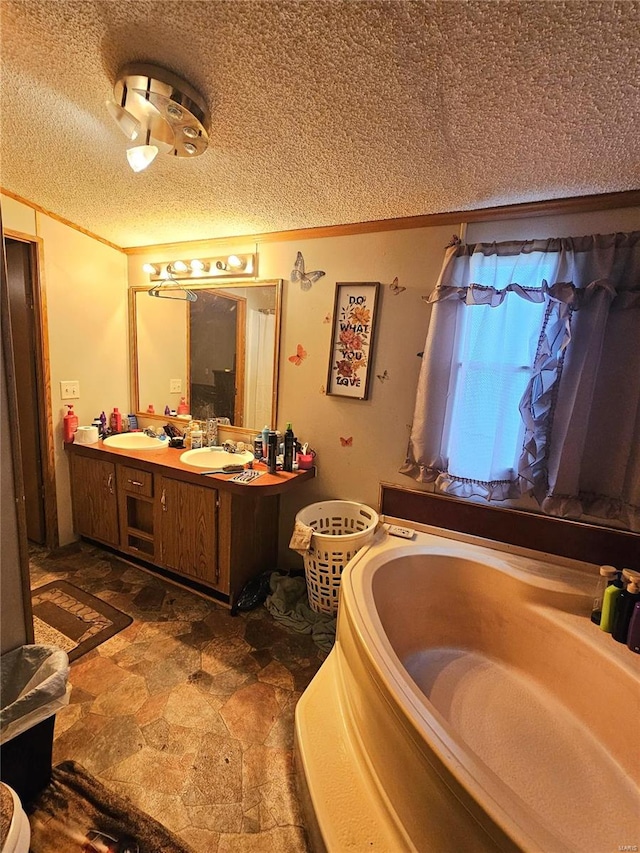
346	442
306	279
299	356
327	319
395	288
383	376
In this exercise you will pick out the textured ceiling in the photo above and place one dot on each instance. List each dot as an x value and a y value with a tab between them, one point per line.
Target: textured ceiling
322	112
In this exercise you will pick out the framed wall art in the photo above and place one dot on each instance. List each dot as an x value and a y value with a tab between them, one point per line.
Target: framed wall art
352	337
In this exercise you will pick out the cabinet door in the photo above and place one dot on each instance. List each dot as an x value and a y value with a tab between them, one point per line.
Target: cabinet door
95	504
188	530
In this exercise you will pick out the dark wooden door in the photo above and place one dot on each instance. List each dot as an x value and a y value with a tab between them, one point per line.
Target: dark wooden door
21	309
95	503
188	529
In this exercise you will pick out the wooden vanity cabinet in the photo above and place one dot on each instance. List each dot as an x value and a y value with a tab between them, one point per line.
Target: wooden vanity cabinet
136	509
93	499
187	529
205	533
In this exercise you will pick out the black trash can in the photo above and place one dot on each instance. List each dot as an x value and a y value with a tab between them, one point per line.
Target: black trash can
34	688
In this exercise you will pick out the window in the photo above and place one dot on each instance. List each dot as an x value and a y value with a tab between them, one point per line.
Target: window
515	387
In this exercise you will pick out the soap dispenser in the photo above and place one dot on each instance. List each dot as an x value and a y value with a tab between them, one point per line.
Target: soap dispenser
627	600
607	576
633	637
609	604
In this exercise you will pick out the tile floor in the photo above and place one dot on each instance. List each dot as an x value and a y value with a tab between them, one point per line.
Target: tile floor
188	711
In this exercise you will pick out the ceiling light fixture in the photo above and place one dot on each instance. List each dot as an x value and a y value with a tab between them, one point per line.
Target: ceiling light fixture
152	104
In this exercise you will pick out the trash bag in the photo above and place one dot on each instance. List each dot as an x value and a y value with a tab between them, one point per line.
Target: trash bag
253	593
33	685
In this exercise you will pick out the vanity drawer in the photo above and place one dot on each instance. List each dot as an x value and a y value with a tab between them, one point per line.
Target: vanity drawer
136	481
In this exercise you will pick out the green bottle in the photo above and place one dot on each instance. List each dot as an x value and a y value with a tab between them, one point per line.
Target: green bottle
609	604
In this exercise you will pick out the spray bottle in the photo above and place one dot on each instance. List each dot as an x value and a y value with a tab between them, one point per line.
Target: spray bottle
289	448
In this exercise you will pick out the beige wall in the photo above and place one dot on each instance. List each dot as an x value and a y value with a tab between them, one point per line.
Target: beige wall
85	285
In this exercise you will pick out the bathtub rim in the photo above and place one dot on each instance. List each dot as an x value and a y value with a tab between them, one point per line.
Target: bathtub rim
469	780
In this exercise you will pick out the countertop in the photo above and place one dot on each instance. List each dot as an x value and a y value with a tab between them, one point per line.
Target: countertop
168	460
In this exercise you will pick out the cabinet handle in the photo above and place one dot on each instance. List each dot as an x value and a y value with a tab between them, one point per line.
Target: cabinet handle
163	501
135	482
110	484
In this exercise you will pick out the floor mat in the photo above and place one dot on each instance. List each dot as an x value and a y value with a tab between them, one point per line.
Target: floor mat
72	619
77	814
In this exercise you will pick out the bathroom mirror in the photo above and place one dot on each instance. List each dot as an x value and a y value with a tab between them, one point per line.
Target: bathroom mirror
219	353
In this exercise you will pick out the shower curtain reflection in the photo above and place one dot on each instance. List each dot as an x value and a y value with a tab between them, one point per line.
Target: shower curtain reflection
261	334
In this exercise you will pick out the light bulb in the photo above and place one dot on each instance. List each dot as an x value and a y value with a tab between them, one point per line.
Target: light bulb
179	266
141	156
236	263
198	267
152	269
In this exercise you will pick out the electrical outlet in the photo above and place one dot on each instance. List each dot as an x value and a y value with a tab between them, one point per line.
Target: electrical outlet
175	386
69	389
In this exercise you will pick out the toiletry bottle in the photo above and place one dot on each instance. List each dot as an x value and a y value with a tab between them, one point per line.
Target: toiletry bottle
196	435
151	410
609	604
265	443
289	445
115	421
183	409
272	451
257	447
103	421
70	424
627	600
607	576
633	637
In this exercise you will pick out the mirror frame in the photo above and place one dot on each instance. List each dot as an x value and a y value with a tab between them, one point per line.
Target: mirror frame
215	284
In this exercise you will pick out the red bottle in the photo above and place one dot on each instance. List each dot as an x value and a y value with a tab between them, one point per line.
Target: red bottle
70	425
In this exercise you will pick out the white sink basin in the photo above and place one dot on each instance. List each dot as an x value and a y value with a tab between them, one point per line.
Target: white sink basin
135	441
212	458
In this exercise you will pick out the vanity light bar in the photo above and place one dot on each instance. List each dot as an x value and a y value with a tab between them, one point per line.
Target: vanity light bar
202	268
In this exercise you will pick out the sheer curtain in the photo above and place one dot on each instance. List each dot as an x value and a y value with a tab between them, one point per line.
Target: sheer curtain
530	381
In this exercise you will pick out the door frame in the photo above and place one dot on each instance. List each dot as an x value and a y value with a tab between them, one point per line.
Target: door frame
43	381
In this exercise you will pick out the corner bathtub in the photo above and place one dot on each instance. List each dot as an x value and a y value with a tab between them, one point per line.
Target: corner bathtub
469	704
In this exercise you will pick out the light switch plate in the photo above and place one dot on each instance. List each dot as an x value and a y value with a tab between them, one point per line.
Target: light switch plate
69	389
175	386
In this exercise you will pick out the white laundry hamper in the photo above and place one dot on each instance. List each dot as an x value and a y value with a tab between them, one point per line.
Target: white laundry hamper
341	528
